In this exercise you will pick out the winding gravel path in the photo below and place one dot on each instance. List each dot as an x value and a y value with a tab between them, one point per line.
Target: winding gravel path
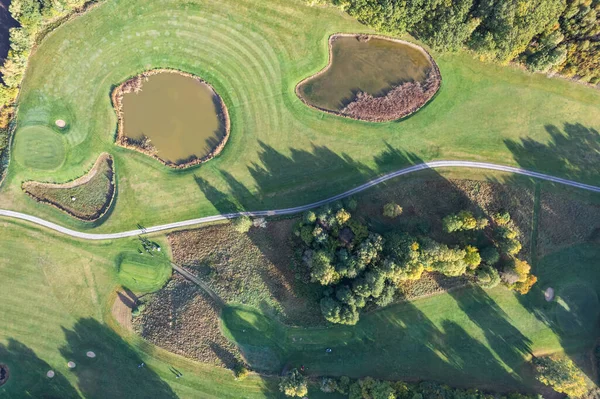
298	209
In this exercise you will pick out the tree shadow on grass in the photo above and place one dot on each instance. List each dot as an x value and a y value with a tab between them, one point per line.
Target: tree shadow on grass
27	375
114	372
573	153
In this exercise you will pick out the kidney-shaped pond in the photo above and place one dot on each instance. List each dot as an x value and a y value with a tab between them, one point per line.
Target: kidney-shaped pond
177	118
372	78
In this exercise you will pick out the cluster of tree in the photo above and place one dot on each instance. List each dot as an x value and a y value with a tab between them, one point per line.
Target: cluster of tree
362	268
294	384
33	16
558	35
369	388
560	373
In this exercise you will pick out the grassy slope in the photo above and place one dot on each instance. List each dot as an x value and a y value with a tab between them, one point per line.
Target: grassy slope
253	53
55	294
468	338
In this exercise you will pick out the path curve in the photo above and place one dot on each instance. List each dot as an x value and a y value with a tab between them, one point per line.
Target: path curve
298	209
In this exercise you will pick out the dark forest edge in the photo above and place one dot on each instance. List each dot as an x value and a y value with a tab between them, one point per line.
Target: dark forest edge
551	36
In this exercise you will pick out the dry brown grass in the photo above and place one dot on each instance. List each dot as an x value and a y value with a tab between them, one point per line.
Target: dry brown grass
399	102
255	269
182	319
565	221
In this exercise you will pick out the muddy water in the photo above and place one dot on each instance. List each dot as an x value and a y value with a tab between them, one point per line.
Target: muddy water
179	114
373	66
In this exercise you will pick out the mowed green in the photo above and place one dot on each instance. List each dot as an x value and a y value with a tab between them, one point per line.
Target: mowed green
143	273
39	147
469	338
281	152
56	298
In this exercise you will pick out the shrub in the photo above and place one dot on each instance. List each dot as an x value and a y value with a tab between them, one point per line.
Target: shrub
242	224
329	385
461	221
560	373
472	257
294	384
490	255
501	218
392	210
488	277
310	217
240	371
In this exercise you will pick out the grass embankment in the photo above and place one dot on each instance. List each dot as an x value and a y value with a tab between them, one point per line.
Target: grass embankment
56	296
86	198
280	152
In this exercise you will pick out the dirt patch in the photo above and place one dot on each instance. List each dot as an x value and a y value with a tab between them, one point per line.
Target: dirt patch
400	101
182	319
86	198
122	308
144	146
4	374
565	221
256	269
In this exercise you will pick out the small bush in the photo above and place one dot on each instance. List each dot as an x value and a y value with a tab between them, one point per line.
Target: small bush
560	373
488	277
242	224
240	371
392	210
490	255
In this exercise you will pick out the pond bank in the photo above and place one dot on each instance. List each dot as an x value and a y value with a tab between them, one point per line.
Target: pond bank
372	78
176	122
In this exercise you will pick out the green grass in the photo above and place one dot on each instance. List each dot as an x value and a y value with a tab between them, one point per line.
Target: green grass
56	296
281	152
143	273
87	200
39	147
467	338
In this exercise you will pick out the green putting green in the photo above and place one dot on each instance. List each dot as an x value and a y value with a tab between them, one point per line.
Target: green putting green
143	273
39	147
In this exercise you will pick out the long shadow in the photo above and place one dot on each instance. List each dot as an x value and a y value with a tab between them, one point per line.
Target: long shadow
449	354
509	344
27	375
573	153
114	372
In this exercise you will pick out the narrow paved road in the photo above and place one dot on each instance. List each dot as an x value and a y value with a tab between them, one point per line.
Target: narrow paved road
298	209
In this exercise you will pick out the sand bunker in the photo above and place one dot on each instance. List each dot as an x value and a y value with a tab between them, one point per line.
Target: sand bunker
60	123
549	294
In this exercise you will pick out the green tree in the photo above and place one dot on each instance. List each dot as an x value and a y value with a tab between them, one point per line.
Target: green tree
392	210
321	268
294	384
560	373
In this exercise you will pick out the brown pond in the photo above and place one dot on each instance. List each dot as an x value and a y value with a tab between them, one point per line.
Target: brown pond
372	66
180	115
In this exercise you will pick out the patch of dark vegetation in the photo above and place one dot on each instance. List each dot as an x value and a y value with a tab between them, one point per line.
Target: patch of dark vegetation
87	198
399	102
182	319
4	374
368	388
